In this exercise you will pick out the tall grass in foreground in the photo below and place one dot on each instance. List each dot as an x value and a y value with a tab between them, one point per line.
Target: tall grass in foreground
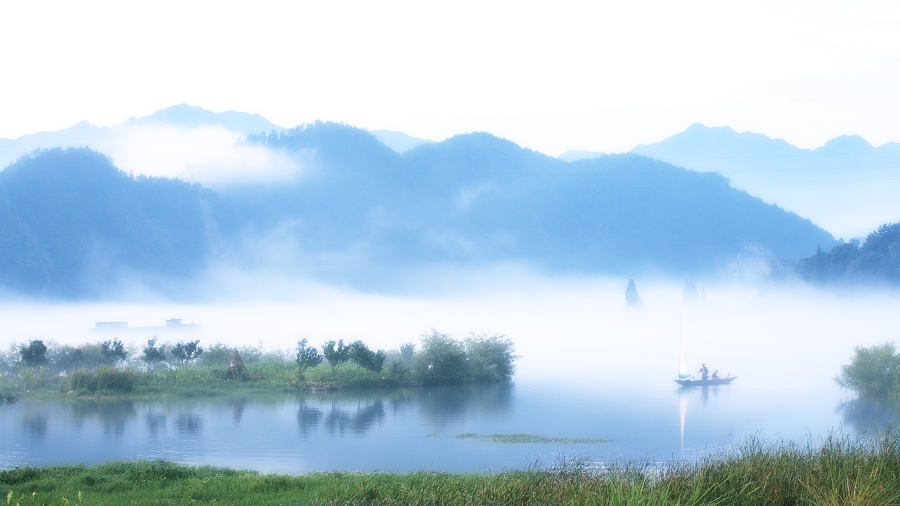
840	471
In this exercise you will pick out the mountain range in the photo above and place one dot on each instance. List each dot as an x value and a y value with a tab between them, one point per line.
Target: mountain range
361	213
847	186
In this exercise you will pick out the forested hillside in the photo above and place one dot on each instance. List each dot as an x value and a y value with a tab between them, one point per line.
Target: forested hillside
875	260
72	223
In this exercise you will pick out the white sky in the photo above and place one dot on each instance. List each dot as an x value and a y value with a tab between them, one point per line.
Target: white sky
601	76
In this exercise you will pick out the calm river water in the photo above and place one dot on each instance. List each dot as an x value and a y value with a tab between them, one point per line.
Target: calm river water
416	429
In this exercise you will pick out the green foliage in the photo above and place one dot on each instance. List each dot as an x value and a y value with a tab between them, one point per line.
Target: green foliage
835	472
490	358
113	351
67	358
104	378
307	356
873	372
365	358
35	354
877	259
335	353
153	354
187	352
442	360
216	355
408	352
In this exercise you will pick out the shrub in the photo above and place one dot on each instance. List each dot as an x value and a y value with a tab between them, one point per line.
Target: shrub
187	352
490	358
873	372
307	356
103	378
442	360
113	351
34	354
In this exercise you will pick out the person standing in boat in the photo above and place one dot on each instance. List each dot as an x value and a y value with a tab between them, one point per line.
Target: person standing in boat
703	371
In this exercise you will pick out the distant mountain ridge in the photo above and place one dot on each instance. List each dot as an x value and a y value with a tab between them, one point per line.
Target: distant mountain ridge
366	215
847	186
84	134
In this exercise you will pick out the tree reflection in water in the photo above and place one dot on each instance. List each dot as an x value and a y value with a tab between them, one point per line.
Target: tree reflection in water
357	412
308	419
868	416
35	423
156	423
188	424
358	419
114	414
237	410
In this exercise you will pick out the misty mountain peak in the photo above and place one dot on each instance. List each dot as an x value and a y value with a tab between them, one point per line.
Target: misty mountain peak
846	145
398	141
189	116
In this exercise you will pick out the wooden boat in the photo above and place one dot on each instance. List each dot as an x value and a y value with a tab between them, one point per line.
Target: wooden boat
706	382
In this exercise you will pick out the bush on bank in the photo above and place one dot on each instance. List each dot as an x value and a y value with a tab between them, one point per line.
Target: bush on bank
873	372
109	369
839	472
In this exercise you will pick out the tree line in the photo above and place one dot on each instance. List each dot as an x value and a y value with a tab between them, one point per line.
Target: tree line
440	359
875	260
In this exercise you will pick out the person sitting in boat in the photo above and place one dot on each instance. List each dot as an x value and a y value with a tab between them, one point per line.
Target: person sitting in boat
715	374
703	371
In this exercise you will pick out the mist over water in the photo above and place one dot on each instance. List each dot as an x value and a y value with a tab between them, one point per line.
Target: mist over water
564	330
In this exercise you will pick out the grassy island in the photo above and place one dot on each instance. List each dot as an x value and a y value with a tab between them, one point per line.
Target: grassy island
837	472
186	369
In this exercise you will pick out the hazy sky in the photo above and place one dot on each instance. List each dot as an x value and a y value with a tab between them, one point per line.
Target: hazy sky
550	76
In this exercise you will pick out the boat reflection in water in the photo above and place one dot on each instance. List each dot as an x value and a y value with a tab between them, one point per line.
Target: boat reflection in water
702	391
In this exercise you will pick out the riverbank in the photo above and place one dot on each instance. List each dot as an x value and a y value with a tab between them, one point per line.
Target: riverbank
840	471
263	377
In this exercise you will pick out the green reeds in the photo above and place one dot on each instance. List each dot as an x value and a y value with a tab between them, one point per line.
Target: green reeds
103	379
838	471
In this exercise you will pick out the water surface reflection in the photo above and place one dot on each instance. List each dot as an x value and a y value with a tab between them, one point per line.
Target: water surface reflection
415	428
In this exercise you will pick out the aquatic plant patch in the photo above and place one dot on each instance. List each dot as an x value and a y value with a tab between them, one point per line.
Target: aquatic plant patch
528	438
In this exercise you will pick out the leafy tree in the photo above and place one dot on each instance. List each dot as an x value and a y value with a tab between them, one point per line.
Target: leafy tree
408	353
67	359
398	368
307	356
34	354
442	359
153	354
365	358
187	352
335	354
112	351
632	298
873	372
490	358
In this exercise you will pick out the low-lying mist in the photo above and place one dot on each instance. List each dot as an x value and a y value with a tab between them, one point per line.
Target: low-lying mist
565	330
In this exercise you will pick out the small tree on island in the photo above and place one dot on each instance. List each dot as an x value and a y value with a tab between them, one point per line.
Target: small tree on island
873	372
153	354
365	358
113	351
187	352
307	356
335	353
632	299
34	354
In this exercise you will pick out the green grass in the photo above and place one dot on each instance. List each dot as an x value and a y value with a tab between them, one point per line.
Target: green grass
528	438
838	472
268	377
